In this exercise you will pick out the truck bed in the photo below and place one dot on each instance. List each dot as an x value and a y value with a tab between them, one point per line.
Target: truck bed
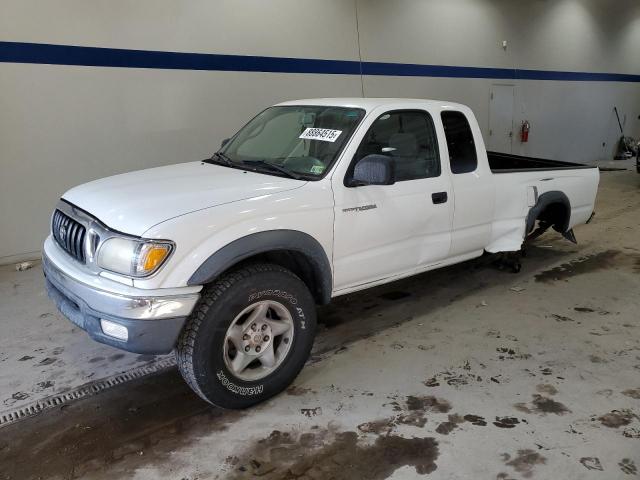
508	163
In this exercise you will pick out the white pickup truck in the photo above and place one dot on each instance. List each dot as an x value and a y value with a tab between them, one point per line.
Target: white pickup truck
225	259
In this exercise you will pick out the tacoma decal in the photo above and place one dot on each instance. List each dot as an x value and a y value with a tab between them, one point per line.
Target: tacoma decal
360	209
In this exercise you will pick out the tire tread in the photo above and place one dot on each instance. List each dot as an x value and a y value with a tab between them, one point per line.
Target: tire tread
211	293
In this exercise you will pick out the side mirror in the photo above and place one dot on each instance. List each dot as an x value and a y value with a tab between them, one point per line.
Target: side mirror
224	142
374	170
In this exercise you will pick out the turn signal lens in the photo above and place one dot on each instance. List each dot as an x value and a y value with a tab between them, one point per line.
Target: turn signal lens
151	257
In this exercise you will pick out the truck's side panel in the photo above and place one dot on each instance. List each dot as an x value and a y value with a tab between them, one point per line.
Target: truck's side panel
512	205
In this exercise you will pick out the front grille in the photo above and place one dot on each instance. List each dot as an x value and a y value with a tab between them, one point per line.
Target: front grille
69	234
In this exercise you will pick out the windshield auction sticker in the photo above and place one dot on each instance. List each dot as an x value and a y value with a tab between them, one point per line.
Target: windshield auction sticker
323	134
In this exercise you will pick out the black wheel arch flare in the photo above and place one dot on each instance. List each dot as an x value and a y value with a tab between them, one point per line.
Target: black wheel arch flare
553	197
307	254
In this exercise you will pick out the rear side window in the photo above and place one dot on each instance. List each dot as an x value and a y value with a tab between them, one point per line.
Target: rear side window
462	149
409	138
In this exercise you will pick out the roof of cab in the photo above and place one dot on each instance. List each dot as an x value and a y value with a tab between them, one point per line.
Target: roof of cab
371	103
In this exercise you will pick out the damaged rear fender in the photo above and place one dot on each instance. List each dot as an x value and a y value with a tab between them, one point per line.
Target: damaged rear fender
552	207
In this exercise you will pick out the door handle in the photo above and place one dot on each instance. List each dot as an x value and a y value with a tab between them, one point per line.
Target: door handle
439	197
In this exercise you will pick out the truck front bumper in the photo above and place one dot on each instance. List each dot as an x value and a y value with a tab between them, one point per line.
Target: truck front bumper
152	323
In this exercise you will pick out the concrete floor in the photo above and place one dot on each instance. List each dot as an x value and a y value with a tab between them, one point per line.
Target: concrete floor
462	373
41	353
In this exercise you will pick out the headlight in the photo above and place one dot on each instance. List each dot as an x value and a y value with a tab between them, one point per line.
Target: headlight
131	257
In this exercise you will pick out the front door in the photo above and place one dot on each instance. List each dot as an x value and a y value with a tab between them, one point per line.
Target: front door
383	231
501	118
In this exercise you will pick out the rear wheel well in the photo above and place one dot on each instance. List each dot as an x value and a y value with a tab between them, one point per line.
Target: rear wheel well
557	215
294	261
552	209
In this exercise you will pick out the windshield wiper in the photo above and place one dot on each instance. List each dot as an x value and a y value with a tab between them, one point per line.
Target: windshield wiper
220	158
274	167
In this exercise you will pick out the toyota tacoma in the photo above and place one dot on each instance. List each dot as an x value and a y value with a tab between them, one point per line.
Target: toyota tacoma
224	260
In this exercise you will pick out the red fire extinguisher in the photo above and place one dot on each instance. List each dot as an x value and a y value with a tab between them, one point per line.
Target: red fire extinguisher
524	131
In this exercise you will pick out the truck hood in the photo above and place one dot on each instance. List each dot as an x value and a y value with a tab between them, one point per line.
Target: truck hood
134	202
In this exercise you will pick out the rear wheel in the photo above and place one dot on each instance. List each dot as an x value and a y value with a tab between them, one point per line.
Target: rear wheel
249	337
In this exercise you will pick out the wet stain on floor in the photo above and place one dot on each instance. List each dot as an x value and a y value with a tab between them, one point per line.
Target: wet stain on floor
524	462
617	418
506	422
296	391
546	388
587	264
475	420
413	413
633	393
542	405
596	359
628	466
455	377
428	403
378	427
44	385
323	454
445	428
591	463
19	396
47	361
139	423
584	309
311	412
631	432
431	382
562	318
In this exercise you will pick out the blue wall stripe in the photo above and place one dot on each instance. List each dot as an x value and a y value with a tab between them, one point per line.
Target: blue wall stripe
114	57
416	70
40	53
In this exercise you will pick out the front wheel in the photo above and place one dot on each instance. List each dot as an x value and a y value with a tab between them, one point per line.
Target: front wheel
249	336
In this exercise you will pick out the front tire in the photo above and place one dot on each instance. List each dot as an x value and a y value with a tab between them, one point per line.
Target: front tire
249	336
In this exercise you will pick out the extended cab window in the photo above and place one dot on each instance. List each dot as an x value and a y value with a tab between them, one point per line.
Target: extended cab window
297	140
409	138
462	148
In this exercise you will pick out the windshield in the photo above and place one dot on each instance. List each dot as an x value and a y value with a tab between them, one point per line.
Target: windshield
302	141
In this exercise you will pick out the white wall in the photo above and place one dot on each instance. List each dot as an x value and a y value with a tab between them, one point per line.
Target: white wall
570	120
64	125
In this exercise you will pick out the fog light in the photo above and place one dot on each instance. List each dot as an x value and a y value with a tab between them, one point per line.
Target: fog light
114	330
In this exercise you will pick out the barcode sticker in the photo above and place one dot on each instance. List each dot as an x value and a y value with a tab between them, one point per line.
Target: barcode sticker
322	134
